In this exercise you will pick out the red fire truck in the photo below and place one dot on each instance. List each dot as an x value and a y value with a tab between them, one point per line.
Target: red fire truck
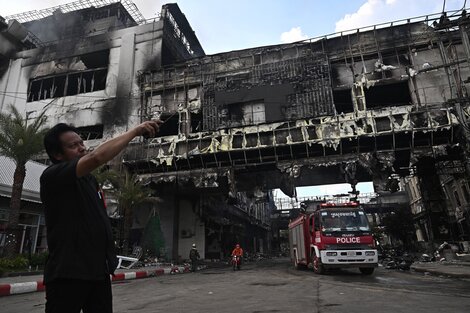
333	235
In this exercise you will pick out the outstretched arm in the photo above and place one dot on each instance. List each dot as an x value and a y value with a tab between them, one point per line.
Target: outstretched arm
109	149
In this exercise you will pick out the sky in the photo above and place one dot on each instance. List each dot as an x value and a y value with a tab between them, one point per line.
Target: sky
223	26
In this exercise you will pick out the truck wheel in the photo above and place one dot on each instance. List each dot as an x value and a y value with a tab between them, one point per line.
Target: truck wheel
317	266
366	270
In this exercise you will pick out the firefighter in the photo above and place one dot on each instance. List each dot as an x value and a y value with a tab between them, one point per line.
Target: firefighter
194	256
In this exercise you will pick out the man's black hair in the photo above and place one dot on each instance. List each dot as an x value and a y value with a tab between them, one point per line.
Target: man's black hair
52	141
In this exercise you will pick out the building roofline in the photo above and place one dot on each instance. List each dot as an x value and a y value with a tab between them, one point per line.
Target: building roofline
426	19
33	15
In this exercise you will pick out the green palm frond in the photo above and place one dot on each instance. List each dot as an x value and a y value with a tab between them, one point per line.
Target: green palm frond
106	176
131	192
21	139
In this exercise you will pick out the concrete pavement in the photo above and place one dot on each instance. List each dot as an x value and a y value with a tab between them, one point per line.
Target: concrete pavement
34	283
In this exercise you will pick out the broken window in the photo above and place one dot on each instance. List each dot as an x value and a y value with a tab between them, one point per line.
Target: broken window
196	122
248	113
73	83
93	78
382	124
169	126
342	99
96	59
91	132
53	87
46	88
388	95
59	86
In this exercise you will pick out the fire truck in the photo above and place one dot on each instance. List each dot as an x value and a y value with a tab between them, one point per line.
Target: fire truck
332	235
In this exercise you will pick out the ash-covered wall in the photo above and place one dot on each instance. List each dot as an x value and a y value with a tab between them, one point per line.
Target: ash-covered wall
85	70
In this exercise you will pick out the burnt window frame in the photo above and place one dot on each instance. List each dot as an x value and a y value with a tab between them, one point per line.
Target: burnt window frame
170	126
398	94
237	115
91	132
68	81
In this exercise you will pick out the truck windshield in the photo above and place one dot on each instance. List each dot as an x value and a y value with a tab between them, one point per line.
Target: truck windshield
344	220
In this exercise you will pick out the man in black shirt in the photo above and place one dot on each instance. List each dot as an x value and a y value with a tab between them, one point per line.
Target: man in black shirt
79	237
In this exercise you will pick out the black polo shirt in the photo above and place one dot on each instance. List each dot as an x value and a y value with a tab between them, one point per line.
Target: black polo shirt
79	235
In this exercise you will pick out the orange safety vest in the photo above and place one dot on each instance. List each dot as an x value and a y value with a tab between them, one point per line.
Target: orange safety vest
237	251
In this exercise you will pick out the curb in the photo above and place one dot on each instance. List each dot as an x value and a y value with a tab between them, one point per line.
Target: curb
27	287
440	273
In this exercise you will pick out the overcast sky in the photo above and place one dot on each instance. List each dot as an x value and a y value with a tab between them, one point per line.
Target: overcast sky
223	26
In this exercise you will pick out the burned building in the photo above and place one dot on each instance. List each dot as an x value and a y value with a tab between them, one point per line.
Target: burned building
348	107
82	68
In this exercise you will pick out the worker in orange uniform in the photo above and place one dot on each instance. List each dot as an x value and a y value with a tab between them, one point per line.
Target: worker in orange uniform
238	251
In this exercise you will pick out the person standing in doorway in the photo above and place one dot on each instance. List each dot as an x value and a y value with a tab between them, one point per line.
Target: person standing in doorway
194	257
79	237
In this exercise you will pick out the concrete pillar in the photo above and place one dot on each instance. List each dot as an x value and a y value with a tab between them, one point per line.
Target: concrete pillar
433	198
191	230
176	229
125	79
167	219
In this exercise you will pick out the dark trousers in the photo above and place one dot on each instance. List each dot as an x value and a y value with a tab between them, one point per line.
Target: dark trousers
74	295
193	265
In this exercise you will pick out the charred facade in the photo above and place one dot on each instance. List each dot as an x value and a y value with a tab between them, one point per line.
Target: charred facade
353	106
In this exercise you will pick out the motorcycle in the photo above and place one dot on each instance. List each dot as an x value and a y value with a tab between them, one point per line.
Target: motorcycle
236	262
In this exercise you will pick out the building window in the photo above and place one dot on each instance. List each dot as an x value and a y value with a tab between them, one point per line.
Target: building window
342	99
91	132
196	122
91	77
67	85
248	113
396	94
170	126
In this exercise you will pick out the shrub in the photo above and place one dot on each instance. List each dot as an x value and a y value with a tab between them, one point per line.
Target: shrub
15	263
38	259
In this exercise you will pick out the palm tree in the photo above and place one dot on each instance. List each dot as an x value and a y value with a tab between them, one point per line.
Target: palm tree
130	194
20	140
106	176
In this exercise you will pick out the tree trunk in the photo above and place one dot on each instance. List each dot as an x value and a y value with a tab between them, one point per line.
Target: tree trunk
127	228
15	204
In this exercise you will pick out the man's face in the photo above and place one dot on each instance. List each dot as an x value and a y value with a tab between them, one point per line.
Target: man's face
72	147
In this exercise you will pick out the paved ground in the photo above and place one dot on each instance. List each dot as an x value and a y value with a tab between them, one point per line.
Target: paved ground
274	286
447	269
33	282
